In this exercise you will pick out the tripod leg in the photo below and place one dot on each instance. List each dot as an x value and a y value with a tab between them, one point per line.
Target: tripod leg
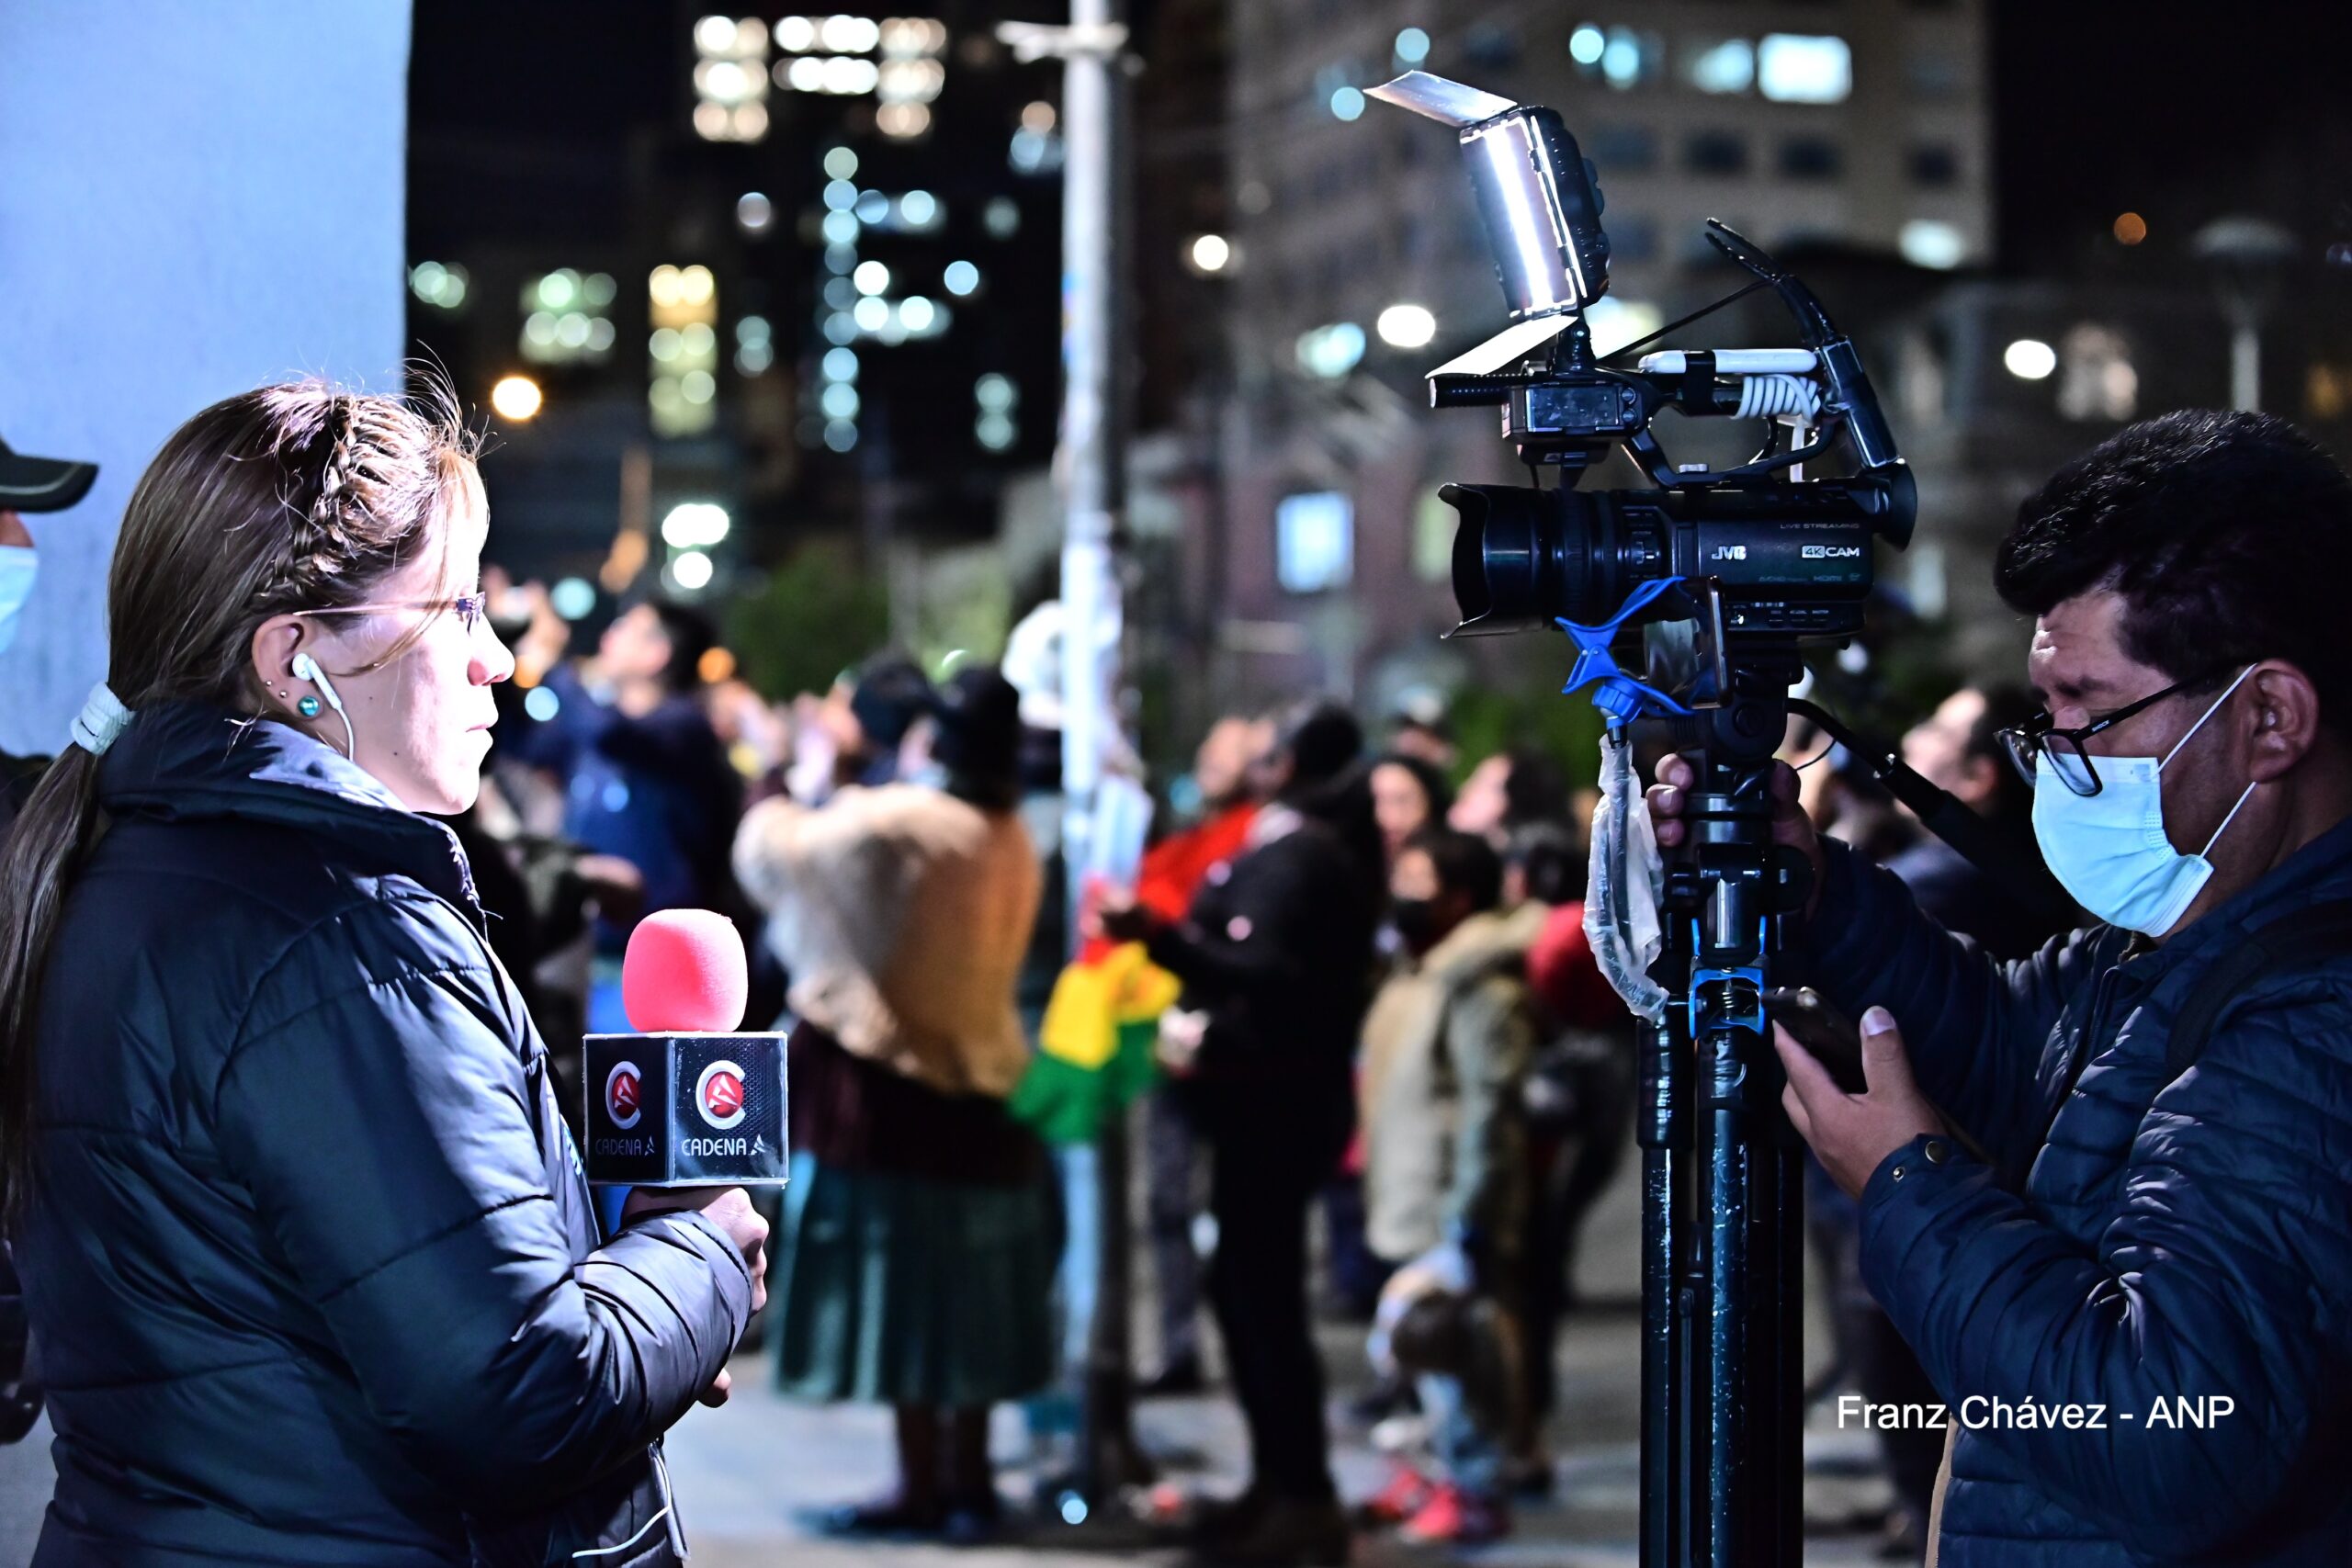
1665	1387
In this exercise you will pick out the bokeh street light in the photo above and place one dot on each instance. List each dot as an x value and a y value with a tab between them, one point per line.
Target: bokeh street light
2029	359
515	398
1406	326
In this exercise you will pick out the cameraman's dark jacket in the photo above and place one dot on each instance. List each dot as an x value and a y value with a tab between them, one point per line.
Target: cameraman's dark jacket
311	1259
2142	1239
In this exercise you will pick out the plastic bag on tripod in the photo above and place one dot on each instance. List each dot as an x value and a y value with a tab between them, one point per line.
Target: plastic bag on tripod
1622	886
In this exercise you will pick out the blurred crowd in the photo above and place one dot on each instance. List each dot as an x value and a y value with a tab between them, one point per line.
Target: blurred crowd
1388	1080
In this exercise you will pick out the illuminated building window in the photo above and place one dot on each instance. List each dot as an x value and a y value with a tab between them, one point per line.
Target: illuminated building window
440	285
731	79
2096	380
1721	65
567	318
1315	541
682	397
1797	68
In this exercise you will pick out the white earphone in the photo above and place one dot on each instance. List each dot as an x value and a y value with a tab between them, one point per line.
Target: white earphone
306	668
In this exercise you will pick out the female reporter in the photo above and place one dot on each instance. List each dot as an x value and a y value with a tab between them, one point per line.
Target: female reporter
308	1255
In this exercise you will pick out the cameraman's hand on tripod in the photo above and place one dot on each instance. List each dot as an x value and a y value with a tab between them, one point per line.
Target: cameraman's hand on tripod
1791	826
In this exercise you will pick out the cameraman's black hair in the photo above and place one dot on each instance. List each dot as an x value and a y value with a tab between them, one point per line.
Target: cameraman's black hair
2229	537
1465	862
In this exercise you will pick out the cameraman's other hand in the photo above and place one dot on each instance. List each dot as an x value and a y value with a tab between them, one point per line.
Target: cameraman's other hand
1791	826
729	1207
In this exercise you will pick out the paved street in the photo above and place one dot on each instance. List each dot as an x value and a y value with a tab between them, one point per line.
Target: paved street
750	1471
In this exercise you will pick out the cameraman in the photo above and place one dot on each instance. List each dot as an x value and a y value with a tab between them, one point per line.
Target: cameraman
2146	1231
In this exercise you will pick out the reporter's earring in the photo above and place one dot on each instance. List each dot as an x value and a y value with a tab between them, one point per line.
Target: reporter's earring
308	707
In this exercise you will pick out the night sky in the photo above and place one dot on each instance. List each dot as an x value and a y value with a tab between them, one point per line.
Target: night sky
2180	112
2176	111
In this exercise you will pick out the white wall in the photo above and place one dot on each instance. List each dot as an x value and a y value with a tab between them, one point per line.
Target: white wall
197	196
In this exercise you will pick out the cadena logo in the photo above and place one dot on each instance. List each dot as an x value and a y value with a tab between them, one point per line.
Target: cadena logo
622	1087
718	1094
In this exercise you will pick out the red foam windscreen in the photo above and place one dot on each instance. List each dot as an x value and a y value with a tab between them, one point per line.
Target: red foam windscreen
685	973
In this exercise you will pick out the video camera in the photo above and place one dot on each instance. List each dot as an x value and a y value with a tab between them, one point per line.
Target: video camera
1727	571
1763	553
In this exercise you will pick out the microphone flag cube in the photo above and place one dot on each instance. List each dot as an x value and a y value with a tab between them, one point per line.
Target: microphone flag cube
686	1109
689	1099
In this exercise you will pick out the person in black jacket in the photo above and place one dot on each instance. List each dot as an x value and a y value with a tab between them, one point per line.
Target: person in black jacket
2140	1235
1276	953
308	1255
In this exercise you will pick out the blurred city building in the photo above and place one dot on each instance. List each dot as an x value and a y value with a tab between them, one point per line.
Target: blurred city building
735	282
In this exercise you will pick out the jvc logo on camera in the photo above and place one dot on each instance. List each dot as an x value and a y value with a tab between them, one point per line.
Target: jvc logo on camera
1731	552
1830	552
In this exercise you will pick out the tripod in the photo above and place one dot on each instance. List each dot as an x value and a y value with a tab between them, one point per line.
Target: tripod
1721	1169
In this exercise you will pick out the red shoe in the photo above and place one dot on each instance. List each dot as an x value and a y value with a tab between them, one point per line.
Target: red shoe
1407	1493
1454	1517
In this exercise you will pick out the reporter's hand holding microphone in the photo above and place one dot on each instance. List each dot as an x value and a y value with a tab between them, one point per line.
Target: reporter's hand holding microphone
1852	1133
732	1210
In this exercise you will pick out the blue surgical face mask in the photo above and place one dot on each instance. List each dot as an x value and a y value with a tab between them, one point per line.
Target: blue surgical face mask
2109	850
18	566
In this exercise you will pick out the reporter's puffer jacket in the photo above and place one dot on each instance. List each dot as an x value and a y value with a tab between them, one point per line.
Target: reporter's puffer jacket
311	1259
2142	1242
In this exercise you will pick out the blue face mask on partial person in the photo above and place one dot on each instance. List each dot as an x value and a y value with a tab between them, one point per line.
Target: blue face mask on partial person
18	567
2109	851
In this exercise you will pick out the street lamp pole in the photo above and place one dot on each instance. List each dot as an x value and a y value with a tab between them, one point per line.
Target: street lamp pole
1092	465
2247	256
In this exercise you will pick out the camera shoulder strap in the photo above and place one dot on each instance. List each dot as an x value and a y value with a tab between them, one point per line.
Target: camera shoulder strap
2318	933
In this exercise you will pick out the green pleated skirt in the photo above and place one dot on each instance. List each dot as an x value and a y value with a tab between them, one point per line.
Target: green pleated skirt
898	1288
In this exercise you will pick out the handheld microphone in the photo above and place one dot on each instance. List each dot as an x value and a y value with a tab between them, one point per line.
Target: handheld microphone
688	1101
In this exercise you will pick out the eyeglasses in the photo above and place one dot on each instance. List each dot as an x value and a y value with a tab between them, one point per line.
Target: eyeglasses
471	608
2030	743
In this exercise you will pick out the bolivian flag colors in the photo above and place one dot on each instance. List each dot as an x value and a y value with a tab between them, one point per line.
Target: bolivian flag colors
1095	1048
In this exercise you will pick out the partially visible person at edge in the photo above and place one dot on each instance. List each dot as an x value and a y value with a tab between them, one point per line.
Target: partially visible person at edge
1276	953
308	1254
35	485
1958	748
39	485
1447	1048
1173	870
916	1260
2145	1231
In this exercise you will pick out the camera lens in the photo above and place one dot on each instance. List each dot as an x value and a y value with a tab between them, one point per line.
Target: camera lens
1521	557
